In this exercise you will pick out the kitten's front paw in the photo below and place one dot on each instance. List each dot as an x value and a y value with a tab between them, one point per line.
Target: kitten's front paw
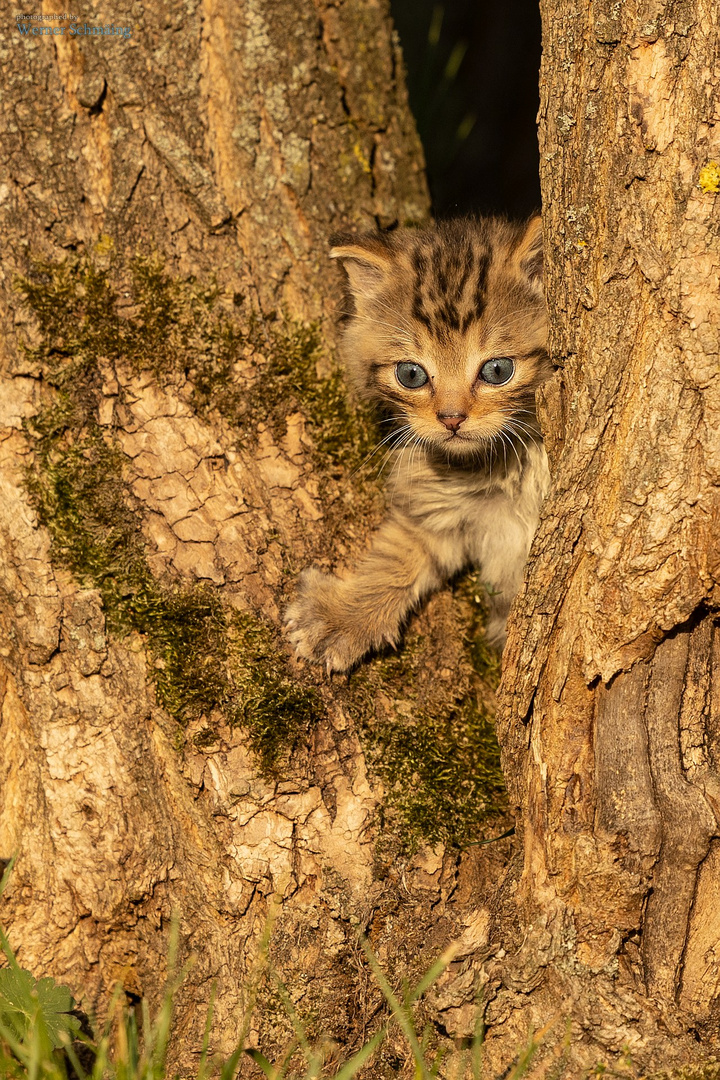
318	624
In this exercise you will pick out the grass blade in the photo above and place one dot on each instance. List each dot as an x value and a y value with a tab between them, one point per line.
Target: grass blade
229	1067
357	1061
476	1049
256	975
525	1059
262	1062
400	1013
6	875
434	972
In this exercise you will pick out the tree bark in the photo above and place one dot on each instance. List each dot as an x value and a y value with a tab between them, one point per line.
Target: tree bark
608	712
166	471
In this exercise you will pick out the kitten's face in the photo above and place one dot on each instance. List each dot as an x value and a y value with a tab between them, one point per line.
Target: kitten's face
448	331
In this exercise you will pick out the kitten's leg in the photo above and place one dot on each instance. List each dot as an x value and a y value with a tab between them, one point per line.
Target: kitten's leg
505	529
496	628
335	621
504	554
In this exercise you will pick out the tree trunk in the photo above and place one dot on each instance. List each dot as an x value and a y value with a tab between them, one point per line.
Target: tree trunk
176	446
608	717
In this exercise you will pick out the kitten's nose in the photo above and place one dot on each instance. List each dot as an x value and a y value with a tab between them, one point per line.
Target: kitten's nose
452	421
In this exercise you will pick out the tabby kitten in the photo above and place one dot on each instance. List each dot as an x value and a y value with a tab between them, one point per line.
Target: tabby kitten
447	334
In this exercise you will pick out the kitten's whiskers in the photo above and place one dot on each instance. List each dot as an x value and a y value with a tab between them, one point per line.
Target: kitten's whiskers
387	439
518	435
399	449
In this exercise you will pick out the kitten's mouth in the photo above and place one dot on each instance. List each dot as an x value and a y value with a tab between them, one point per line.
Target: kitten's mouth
457	444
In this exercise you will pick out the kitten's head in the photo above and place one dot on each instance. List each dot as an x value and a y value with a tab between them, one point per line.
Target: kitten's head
446	329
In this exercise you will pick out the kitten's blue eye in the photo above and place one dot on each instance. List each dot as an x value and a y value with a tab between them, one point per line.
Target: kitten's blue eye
410	375
497	371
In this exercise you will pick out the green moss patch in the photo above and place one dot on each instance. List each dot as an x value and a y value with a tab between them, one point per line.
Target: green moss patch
442	773
205	656
250	369
436	753
284	382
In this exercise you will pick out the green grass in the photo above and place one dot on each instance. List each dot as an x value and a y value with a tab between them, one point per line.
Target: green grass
43	1038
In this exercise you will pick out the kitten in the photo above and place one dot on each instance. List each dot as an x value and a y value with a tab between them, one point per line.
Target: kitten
446	332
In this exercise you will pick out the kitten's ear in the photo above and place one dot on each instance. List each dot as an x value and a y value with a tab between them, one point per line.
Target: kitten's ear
529	253
367	261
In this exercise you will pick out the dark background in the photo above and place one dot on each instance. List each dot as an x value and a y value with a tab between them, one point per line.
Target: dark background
472	70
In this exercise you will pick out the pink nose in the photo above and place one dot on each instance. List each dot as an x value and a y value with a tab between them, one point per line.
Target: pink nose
452	421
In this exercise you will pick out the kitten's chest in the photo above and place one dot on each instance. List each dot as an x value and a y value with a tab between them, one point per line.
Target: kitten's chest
469	504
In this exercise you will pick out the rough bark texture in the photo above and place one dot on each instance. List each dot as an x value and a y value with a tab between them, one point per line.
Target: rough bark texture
165	473
608	714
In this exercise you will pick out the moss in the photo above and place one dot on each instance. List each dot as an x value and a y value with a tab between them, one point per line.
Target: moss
437	755
249	369
485	659
204	655
270	706
442	773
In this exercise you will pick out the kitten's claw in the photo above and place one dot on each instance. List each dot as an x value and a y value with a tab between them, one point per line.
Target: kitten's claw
318	627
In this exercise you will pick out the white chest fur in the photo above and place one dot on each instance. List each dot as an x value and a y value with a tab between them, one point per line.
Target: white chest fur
484	518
